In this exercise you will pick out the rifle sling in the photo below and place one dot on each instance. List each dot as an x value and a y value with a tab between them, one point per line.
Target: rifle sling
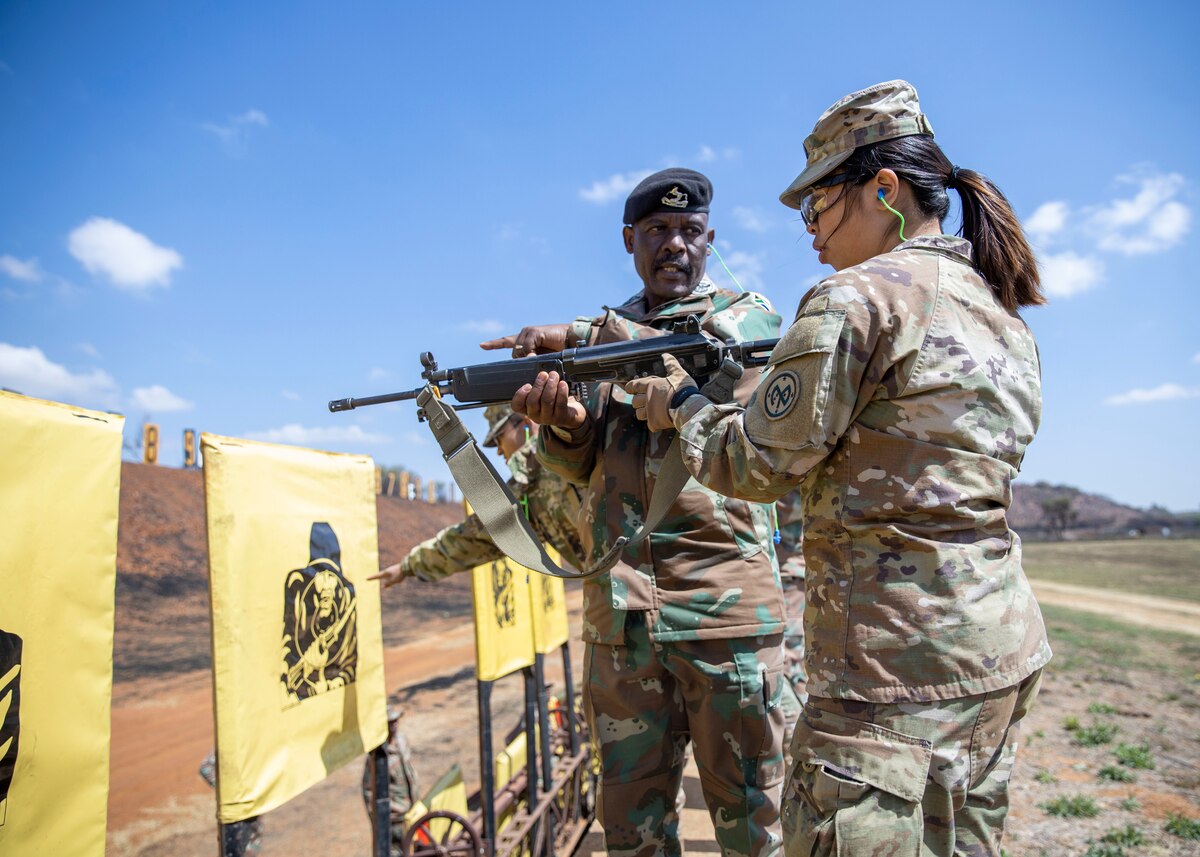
498	509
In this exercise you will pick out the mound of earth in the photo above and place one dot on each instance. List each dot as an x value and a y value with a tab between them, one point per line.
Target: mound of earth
162	618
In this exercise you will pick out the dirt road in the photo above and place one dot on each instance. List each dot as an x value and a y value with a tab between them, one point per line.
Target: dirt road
1168	614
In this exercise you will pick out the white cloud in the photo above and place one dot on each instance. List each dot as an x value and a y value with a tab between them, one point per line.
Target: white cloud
126	257
746	267
613	187
89	349
378	373
1196	357
1067	274
232	134
26	270
158	399
299	435
28	371
1150	221
706	155
1047	221
416	438
485	325
1161	393
751	219
290	396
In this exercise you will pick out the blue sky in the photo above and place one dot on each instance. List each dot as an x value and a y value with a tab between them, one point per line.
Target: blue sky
219	216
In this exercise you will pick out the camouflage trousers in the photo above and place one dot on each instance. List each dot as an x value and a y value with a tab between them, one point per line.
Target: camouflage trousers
793	652
646	699
905	779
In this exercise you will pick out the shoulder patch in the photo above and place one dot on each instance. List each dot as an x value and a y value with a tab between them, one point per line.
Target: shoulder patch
762	301
781	394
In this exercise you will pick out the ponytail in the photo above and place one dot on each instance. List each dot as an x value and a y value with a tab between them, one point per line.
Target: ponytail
1002	255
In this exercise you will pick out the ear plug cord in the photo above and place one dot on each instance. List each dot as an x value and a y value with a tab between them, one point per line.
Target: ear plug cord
893	211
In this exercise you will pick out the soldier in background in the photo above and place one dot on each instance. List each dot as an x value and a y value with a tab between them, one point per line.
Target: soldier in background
550	502
402	780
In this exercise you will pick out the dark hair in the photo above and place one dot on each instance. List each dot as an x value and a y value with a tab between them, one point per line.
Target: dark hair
1002	255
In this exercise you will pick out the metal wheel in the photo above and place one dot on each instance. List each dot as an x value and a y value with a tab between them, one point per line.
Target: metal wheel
459	839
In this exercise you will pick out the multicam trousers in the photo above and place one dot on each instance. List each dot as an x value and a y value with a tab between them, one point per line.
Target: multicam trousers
905	779
645	700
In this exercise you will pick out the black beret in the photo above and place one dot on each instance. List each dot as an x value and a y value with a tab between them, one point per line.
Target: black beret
676	190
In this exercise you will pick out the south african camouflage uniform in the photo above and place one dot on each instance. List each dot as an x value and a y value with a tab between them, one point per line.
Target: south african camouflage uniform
684	635
901	402
789	520
551	503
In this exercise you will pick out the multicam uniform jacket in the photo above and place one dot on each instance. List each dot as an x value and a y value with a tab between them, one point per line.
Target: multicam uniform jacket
552	504
402	786
709	569
901	401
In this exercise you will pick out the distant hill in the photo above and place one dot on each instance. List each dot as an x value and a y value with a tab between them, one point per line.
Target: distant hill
1095	516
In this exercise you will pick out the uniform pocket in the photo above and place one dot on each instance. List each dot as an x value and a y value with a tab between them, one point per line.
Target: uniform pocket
853	785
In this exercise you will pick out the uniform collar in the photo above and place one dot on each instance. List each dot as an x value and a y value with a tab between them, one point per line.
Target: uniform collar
948	245
699	302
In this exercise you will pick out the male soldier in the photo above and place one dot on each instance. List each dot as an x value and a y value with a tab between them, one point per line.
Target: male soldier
684	635
551	503
402	780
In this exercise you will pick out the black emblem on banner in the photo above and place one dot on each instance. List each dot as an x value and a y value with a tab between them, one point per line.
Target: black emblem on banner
320	630
781	394
503	596
548	601
10	713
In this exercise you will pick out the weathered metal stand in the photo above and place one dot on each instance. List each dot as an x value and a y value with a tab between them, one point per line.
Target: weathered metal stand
381	804
233	837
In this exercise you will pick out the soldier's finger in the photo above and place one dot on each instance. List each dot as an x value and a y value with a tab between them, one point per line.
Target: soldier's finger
497	344
550	393
640	413
639	400
520	399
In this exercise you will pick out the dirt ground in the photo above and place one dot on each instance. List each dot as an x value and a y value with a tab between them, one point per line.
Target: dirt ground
162	703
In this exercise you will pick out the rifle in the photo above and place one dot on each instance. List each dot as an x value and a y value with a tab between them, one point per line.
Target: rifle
715	366
492	383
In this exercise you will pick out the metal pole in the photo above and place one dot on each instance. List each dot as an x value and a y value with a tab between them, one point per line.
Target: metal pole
487	773
381	801
234	837
543	708
569	689
533	788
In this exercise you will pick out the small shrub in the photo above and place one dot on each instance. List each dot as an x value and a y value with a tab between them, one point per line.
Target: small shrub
1127	835
1101	708
1187	828
1135	756
1117	774
1095	735
1104	850
1071	723
1171	697
1046	777
1079	806
1130	804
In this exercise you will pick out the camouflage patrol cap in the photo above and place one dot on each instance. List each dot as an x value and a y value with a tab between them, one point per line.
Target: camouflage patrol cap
497	416
880	112
394	713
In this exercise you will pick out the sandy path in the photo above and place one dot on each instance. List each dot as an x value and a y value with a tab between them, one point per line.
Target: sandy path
1168	614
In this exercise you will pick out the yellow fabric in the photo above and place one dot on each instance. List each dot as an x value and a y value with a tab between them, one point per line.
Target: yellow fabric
503	624
60	476
549	609
450	794
298	679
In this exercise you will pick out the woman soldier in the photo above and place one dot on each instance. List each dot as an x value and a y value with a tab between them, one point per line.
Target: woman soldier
900	401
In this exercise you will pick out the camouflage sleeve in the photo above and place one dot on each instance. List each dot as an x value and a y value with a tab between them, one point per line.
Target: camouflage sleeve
807	399
570	454
457	548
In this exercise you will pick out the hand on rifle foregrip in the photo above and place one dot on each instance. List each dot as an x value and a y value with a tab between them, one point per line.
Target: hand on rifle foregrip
548	401
652	396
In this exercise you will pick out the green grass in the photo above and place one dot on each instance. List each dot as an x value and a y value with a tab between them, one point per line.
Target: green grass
1104	849
1187	828
1046	777
1095	735
1135	756
1101	708
1090	641
1117	774
1169	568
1127	835
1078	806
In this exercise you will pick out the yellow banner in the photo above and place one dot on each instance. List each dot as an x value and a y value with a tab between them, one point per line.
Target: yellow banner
549	606
297	642
60	476
503	620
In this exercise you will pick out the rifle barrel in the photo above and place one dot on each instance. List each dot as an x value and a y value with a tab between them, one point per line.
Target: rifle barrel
350	404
